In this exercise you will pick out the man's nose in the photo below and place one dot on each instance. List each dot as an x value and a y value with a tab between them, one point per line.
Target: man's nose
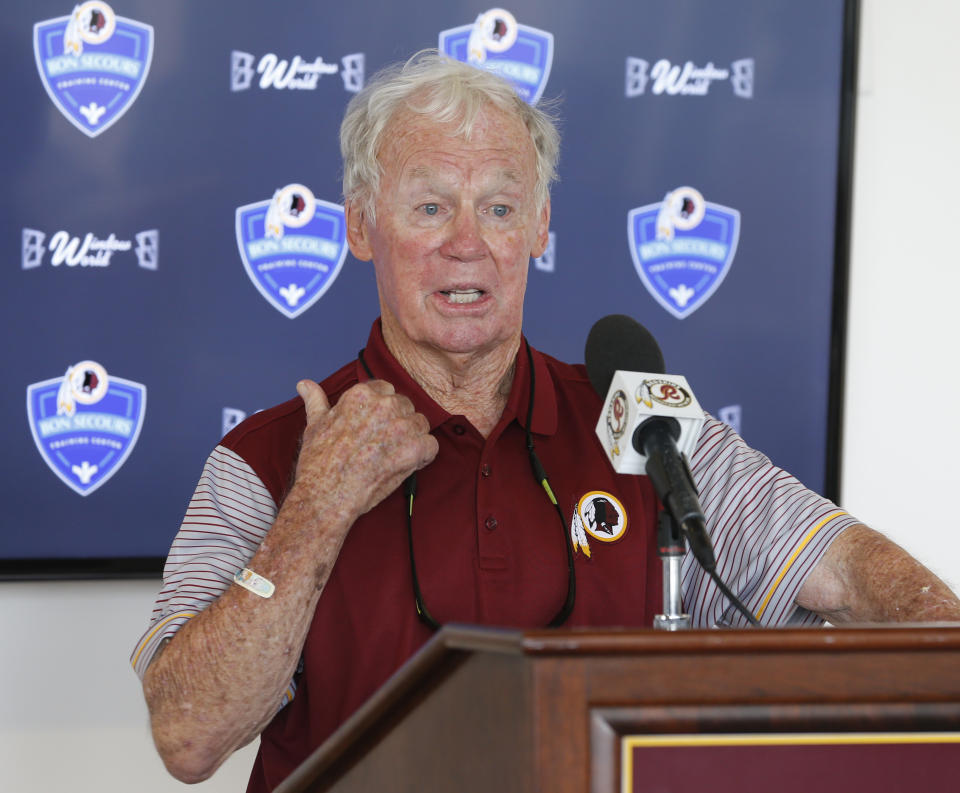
465	241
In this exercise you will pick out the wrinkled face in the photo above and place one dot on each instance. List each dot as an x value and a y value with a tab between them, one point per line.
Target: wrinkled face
456	225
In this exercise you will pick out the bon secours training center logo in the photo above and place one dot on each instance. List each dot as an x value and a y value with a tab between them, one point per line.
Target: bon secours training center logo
85	423
93	63
519	53
293	246
68	250
682	248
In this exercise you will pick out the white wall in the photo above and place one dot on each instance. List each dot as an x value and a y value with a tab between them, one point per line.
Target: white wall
71	713
905	283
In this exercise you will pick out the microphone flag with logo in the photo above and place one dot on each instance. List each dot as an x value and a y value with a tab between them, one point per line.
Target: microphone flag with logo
650	422
625	367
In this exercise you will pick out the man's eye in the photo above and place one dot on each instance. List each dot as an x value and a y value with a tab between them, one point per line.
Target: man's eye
500	210
430	209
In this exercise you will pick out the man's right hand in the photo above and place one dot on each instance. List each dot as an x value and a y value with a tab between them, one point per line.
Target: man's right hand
356	453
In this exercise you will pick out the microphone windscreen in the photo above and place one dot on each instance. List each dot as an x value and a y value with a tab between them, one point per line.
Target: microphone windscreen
619	342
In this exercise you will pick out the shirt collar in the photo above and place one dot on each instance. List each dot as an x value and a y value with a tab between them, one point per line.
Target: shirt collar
385	367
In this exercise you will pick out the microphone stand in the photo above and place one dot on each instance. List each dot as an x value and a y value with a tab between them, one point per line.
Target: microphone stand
671	547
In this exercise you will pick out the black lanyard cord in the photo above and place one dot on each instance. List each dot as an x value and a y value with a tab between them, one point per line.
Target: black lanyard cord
410	493
540	475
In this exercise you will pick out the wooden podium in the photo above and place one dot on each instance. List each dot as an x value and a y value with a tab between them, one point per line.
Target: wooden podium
502	711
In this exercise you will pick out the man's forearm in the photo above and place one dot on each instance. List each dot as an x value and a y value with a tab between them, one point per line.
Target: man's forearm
221	679
864	577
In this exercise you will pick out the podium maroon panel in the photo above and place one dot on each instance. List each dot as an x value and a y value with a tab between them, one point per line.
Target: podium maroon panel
798	763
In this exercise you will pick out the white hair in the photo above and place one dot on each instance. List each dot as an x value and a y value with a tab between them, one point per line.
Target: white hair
448	91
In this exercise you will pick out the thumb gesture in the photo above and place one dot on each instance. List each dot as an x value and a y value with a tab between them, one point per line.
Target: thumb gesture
314	400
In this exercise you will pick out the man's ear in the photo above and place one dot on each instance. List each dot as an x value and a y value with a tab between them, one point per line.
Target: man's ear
357	237
543	231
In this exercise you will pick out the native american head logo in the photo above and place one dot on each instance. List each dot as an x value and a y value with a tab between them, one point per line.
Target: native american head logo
600	515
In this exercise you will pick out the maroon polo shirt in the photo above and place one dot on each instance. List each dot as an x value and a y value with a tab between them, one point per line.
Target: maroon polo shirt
489	545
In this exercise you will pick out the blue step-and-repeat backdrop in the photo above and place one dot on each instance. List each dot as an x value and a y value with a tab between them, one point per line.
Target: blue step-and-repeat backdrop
153	295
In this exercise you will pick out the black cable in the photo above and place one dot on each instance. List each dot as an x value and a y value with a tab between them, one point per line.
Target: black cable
733	599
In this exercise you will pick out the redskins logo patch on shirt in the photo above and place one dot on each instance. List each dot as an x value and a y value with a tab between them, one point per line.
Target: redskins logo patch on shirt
599	514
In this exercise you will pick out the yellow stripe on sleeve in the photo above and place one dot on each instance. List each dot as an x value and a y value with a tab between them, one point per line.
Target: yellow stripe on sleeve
146	639
793	557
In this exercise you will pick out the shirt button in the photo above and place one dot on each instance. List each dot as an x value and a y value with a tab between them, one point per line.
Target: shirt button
491	523
458	429
485	469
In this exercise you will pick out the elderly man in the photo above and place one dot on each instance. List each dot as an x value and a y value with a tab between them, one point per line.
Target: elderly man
406	491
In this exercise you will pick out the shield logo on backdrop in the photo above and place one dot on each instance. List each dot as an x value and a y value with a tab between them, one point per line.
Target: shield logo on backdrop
682	248
85	423
293	246
93	63
519	53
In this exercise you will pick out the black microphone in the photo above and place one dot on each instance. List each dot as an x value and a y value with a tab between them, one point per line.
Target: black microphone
620	343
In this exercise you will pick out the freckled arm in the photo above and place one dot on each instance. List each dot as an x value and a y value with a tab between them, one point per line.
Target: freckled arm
864	577
221	678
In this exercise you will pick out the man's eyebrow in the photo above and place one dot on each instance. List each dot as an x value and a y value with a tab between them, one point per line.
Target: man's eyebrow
507	179
424	172
421	172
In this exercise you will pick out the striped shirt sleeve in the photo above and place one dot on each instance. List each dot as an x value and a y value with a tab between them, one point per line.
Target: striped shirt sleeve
768	532
226	520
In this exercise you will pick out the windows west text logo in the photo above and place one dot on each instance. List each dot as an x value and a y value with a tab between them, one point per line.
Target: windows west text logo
664	77
68	250
296	74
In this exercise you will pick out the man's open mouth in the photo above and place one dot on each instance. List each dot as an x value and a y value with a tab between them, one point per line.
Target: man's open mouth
463	295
